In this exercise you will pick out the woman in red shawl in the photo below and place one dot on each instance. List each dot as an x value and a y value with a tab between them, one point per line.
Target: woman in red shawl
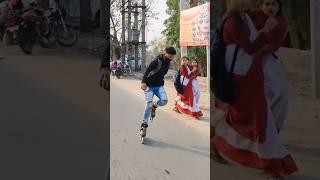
188	101
247	134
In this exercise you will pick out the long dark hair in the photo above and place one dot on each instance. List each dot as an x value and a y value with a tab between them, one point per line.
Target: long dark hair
280	12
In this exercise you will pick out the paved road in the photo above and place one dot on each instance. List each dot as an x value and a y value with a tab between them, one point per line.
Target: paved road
174	150
52	116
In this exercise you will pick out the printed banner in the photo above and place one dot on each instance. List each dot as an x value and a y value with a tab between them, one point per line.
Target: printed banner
195	26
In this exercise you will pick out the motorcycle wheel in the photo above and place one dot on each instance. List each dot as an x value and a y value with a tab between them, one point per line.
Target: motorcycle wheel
8	38
26	46
69	38
26	37
48	42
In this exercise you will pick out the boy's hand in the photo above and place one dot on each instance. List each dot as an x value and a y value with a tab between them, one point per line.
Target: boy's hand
105	78
144	86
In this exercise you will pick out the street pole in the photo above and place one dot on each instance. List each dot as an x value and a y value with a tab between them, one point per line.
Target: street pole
184	50
208	68
123	33
315	45
208	57
143	33
136	45
129	30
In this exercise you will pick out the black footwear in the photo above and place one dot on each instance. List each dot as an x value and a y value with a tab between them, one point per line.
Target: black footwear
144	125
153	111
143	131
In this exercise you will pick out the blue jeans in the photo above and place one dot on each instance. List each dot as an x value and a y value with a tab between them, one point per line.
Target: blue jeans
149	93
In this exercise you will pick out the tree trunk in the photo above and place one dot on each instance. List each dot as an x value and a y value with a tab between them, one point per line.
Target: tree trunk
43	3
103	15
85	15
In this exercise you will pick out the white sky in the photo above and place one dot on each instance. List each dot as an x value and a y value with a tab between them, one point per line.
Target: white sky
155	27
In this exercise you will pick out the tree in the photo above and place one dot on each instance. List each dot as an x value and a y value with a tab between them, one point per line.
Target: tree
116	19
172	26
43	3
172	31
85	15
103	15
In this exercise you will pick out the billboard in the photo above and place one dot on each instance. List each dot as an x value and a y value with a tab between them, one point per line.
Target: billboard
195	26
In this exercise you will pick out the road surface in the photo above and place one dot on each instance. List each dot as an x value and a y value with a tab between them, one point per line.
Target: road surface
173	150
52	116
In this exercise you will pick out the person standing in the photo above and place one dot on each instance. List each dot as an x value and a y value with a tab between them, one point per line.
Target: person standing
153	84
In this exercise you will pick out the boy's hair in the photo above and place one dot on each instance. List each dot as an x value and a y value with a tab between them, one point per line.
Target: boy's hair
171	50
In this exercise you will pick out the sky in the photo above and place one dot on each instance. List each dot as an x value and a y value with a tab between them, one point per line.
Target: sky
155	27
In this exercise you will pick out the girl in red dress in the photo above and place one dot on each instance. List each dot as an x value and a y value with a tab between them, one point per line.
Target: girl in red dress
274	76
188	101
247	134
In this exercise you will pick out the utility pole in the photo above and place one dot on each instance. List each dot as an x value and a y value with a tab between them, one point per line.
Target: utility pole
315	45
123	33
136	39
208	57
183	6
143	32
129	46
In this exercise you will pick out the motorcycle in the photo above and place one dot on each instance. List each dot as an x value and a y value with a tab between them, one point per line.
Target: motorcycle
128	71
25	27
65	35
117	69
20	26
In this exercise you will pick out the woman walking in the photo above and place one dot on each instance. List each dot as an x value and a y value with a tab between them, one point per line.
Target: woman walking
248	134
188	101
274	77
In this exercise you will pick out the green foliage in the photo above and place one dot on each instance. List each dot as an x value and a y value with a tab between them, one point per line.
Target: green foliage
172	26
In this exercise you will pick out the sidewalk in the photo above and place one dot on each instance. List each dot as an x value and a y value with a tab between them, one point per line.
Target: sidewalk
91	44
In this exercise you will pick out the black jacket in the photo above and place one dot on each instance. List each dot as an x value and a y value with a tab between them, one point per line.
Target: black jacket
156	80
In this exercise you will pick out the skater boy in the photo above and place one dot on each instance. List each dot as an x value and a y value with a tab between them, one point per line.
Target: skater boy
153	84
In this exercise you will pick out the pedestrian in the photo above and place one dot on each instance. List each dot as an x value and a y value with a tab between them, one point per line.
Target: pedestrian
104	81
247	133
188	101
274	77
153	84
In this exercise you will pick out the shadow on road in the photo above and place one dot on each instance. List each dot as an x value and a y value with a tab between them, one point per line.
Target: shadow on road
304	150
162	145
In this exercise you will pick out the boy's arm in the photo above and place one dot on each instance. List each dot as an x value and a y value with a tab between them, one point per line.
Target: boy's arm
150	67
